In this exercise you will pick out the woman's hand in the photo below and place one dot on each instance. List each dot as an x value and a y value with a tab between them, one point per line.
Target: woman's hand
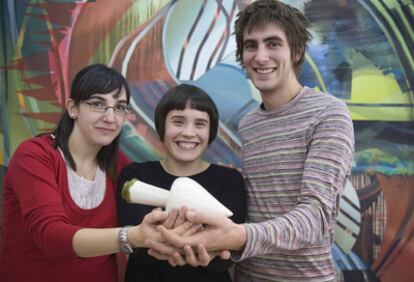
177	223
199	258
147	229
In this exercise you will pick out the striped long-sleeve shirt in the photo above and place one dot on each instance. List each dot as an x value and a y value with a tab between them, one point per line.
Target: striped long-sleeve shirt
296	159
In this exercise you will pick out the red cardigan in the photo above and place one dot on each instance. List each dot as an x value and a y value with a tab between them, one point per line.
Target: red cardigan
40	219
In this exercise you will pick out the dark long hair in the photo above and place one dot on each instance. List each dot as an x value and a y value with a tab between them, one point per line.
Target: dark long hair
178	98
96	78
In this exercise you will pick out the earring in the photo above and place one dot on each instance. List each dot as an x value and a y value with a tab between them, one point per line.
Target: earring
72	115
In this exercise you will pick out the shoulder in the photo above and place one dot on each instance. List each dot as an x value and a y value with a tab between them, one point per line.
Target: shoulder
139	168
142	165
37	147
35	154
225	171
322	106
251	114
43	141
323	99
122	161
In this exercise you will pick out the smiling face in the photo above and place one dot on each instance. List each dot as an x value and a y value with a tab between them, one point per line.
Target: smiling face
186	136
98	129
267	59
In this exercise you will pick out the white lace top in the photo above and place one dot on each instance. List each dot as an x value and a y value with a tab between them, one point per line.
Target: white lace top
85	193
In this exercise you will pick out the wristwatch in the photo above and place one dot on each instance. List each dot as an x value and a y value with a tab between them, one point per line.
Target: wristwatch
124	245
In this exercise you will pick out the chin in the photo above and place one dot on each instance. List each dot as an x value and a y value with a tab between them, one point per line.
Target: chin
188	158
262	85
105	141
266	86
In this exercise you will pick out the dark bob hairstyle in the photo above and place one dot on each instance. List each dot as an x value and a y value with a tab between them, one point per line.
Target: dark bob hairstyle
179	98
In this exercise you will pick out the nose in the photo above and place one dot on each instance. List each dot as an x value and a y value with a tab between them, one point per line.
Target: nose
261	54
188	130
109	115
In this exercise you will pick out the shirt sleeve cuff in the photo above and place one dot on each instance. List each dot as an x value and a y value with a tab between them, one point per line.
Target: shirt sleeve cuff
247	252
62	246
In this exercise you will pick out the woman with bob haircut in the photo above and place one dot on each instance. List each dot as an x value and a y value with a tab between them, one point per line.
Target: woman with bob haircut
60	217
186	120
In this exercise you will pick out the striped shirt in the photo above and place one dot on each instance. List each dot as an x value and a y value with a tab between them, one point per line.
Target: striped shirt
296	159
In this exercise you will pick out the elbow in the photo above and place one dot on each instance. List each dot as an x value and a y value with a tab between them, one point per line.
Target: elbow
56	243
319	229
303	228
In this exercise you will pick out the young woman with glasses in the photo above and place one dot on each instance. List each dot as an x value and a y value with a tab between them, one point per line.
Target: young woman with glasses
60	213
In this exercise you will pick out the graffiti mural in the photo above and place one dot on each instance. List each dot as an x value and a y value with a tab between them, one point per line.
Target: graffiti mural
362	52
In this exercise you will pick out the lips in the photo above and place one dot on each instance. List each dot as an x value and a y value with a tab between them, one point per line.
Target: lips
106	130
264	70
186	145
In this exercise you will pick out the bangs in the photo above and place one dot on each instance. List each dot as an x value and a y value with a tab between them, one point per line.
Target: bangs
197	104
100	83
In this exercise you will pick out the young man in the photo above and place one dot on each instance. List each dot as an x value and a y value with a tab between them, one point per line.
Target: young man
297	153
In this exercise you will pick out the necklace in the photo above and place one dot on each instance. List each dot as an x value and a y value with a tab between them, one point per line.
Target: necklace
86	174
85	193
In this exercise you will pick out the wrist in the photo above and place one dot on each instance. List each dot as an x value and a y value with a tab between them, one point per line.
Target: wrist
135	237
239	237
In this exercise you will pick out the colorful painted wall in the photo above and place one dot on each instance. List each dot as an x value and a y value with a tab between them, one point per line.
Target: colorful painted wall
362	52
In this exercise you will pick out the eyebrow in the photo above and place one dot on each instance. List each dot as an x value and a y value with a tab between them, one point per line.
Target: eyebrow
178	116
100	97
202	120
269	38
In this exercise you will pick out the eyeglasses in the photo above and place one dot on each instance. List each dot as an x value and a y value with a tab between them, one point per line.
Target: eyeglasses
100	107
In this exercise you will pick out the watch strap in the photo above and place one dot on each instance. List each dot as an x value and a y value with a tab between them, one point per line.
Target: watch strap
124	245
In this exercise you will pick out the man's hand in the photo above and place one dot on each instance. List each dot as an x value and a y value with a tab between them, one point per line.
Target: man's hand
200	257
219	233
